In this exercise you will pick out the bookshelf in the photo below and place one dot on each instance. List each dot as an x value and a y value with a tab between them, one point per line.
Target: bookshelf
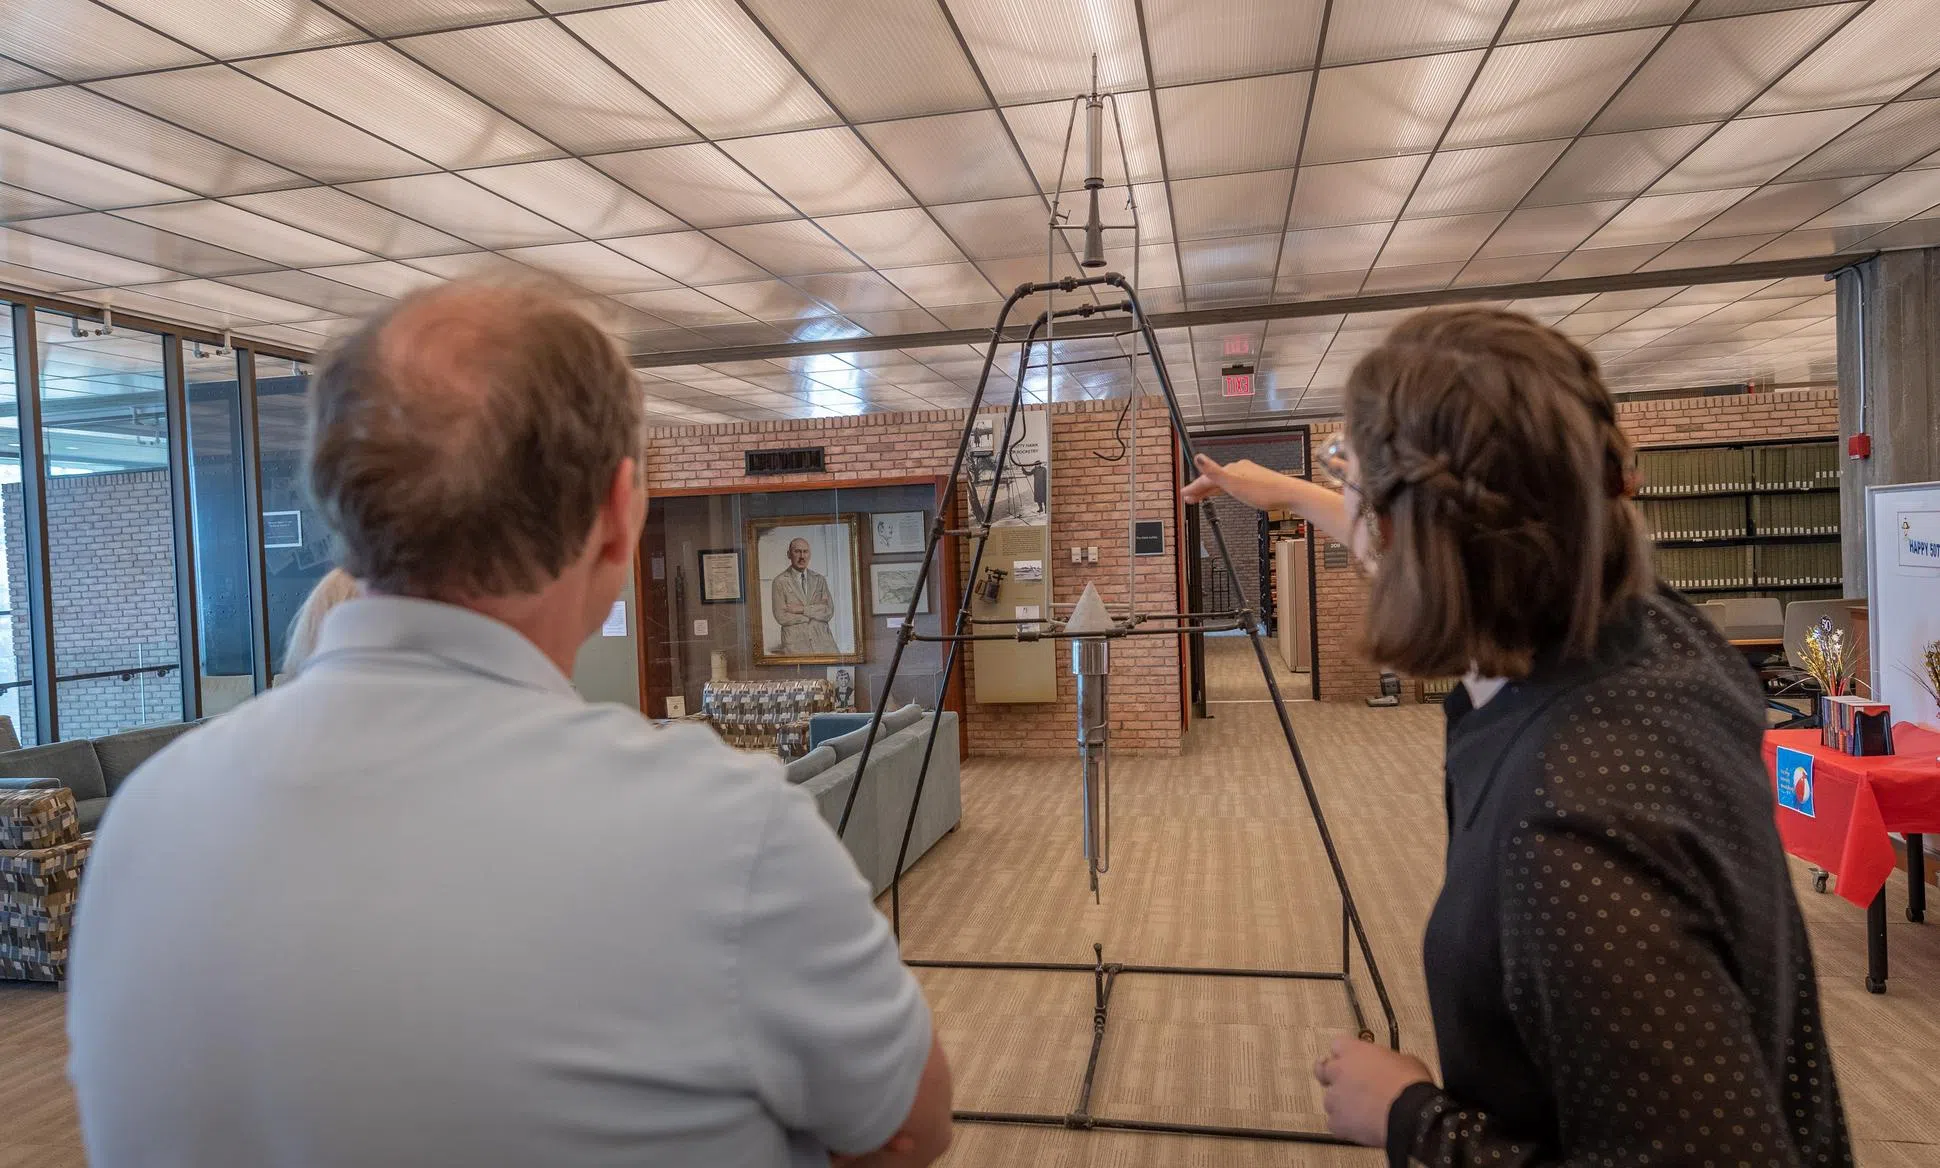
1745	519
1274	526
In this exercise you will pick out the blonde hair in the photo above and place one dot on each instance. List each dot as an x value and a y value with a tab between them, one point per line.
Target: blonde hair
336	587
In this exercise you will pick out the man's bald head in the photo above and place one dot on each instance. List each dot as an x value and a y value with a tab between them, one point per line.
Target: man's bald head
462	442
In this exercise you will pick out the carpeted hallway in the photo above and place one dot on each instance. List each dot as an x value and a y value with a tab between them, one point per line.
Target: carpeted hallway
1215	861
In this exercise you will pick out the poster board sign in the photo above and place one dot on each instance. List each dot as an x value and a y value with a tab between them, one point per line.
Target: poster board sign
1019	546
1903	561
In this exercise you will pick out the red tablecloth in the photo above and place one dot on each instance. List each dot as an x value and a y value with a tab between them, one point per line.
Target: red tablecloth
1857	801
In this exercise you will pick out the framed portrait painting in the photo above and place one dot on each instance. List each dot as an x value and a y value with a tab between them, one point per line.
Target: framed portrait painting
803	574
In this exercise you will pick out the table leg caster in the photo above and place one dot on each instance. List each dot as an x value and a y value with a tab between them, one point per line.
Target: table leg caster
1819	881
1875	985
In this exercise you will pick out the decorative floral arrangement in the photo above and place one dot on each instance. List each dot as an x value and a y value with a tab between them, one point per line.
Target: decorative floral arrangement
1928	673
1827	658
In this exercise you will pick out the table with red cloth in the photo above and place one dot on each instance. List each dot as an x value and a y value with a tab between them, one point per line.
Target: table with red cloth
1857	802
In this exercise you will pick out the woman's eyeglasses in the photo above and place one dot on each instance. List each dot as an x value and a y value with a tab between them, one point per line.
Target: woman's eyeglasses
1333	460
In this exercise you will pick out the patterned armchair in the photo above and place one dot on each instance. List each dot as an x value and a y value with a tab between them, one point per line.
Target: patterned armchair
42	852
766	715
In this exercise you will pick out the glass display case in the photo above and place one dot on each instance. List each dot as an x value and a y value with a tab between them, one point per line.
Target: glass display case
790	585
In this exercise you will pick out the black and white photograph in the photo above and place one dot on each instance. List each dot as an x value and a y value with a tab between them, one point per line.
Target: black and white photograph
890	587
898	533
1024	494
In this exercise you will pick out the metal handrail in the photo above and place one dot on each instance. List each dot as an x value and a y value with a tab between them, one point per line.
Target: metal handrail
127	674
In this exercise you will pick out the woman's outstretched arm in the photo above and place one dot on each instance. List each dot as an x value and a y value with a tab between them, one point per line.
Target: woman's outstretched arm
1268	490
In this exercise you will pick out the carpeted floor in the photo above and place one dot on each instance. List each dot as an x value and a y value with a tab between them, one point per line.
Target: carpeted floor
1215	861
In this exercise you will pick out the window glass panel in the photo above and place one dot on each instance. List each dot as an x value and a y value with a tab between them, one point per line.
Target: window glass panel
110	535
226	652
16	646
297	549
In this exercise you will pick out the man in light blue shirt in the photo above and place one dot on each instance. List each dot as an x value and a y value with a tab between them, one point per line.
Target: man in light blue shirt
422	905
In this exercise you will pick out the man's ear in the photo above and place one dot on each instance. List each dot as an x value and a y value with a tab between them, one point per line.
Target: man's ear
623	514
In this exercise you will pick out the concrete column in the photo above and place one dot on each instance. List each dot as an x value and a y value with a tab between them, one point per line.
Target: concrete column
1889	363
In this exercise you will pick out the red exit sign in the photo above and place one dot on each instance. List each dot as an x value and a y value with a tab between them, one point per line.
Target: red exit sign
1237	380
1236	346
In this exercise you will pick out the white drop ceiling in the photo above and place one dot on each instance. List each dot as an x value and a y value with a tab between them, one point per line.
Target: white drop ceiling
720	174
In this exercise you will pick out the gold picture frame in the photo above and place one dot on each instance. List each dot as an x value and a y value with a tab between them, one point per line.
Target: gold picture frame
835	587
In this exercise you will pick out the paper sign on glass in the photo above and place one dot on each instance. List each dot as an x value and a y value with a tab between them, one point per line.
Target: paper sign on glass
615	624
1795	781
1919	541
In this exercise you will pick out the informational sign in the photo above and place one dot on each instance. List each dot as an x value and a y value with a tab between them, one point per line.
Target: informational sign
282	529
1794	777
615	624
1148	537
1919	539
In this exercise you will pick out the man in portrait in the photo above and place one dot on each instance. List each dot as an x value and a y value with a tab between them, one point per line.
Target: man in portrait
803	606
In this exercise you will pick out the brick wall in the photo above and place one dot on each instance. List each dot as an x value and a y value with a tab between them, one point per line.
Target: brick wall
111	554
1088	507
1240	523
1342	592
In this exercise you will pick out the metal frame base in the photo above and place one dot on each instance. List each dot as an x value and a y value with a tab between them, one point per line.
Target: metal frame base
1105	975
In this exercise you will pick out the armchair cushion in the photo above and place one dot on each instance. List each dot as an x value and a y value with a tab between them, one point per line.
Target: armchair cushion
121	754
827	727
28	783
809	765
73	763
903	719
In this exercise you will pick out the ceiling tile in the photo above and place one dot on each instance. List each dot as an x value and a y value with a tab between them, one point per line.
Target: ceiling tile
144	244
1332	249
399	17
449	203
709	63
1231	204
769	299
573	194
376	88
1890	200
76	39
1548	89
853	292
952	158
1156	265
1227	126
793	247
1707	71
822	172
1751	151
14	75
1705	253
895	239
350	220
1542	19
1353	192
1008	274
1892	137
236	305
238	28
318	292
1611	166
1451	239
553	83
1206	261
1410	278
1508	269
698	183
996	228
882	59
1040	50
238	109
1361	32
1041	132
65	259
689	257
18	204
1193	41
1880	52
684	307
246	232
120	136
1604	261
1385	107
1782	206
461	265
384	277
1489	178
592	267
1541	230
941	285
56	173
1663	219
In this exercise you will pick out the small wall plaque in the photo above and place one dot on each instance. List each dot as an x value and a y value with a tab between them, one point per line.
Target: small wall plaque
1148	537
801	460
1335	554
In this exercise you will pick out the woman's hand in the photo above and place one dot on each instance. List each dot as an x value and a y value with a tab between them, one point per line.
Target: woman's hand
1362	1081
1247	481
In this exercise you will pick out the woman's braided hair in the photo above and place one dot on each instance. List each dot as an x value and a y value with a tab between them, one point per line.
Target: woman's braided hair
1492	463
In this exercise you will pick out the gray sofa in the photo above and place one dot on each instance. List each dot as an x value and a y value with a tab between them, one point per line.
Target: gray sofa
876	828
93	769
